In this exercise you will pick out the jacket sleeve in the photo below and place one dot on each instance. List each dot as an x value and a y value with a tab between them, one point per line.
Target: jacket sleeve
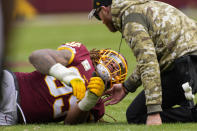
137	37
133	81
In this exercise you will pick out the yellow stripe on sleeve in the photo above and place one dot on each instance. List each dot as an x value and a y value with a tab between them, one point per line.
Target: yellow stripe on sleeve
72	56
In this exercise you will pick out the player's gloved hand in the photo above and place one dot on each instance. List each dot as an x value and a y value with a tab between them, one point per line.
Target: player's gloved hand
79	88
96	86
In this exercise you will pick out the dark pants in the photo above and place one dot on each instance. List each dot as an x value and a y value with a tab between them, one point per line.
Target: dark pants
182	70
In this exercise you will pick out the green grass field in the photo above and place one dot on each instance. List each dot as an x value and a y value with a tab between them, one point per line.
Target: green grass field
50	32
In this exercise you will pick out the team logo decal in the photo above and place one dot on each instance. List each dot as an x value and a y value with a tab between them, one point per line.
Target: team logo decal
86	65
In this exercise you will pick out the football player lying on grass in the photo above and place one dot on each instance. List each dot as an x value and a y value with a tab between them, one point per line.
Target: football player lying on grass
67	86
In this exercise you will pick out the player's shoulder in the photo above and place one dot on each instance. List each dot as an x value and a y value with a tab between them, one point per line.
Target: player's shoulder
72	46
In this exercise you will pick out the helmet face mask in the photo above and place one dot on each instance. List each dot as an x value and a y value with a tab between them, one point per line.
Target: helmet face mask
112	67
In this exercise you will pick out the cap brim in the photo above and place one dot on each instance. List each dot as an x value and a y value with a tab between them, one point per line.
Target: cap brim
91	14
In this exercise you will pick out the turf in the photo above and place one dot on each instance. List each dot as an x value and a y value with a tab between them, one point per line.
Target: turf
50	32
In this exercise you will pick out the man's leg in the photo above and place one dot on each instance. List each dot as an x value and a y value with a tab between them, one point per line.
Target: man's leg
172	94
137	111
8	107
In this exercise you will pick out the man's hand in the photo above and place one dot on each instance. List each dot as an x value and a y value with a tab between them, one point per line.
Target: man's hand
96	86
79	88
117	93
153	119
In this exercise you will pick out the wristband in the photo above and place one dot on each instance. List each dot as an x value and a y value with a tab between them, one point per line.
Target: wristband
88	102
62	73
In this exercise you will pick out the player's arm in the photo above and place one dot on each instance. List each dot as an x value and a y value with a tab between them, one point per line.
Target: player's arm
137	36
44	59
76	116
54	62
80	112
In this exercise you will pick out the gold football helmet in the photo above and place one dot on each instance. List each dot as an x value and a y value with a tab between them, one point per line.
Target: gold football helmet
111	66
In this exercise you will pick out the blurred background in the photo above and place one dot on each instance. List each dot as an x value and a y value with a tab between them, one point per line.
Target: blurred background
39	24
29	8
48	23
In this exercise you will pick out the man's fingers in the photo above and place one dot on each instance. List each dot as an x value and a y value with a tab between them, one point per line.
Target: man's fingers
79	89
83	92
107	99
96	86
74	91
107	103
112	102
109	91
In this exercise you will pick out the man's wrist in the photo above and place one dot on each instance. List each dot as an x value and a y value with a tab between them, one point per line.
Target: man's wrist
153	109
124	88
129	86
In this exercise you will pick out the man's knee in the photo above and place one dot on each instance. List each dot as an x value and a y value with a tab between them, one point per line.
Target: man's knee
135	117
131	116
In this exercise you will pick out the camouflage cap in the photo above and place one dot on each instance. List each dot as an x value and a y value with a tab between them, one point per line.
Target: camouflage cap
96	5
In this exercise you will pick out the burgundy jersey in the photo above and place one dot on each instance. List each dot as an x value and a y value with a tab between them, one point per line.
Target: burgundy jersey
45	99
